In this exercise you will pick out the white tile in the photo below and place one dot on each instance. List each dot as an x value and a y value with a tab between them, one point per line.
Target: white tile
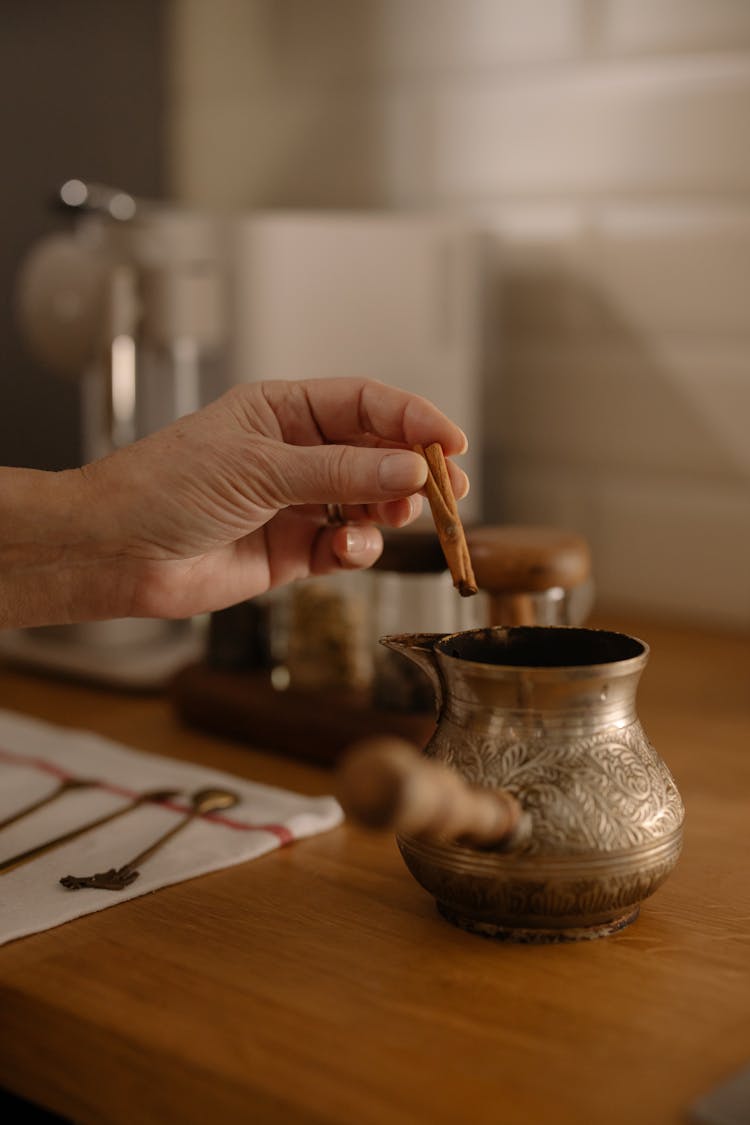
422	37
335	40
687	273
632	127
636	273
548	225
674	549
221	48
516	490
407	148
328	152
681	411
278	150
671	25
671	548
202	142
327	42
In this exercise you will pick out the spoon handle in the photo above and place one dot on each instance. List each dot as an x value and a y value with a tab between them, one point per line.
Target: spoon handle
117	879
74	833
65	786
161	840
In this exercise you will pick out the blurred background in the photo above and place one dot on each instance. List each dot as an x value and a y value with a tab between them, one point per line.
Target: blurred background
597	148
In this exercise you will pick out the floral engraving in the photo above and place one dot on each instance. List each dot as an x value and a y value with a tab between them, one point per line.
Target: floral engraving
604	791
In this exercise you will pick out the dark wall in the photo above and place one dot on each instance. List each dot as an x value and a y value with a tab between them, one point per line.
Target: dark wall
81	95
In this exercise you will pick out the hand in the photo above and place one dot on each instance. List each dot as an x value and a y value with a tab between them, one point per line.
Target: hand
230	501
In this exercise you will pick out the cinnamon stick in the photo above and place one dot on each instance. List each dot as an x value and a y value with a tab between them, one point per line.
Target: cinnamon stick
447	520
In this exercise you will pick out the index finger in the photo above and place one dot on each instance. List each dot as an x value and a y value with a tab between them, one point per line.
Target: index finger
349	410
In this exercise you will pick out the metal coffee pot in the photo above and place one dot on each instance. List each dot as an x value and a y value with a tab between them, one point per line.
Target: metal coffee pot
547	714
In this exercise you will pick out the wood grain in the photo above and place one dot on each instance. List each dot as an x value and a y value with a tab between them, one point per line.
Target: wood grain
317	984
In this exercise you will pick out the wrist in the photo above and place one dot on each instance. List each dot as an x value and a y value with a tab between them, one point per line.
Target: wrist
53	561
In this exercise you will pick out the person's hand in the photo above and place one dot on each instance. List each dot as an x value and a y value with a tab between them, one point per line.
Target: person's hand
231	501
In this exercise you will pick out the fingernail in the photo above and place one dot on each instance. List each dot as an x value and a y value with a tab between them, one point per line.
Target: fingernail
402	472
464	484
356	541
415	505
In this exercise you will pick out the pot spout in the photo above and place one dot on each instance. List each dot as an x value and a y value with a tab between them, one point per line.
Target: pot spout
420	648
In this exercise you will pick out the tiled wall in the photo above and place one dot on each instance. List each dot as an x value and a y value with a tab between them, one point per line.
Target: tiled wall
604	146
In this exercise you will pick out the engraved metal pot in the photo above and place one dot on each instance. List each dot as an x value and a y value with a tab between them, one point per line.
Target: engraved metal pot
550	715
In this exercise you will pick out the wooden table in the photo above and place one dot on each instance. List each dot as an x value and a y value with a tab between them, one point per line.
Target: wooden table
318	984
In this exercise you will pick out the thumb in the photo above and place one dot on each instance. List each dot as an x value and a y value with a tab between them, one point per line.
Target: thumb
346	474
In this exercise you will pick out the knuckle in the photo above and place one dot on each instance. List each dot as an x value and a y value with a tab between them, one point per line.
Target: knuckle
340	469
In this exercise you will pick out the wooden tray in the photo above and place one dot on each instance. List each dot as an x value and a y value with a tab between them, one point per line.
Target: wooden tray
315	726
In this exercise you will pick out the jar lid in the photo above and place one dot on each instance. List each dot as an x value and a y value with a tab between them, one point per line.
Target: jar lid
511	559
411	551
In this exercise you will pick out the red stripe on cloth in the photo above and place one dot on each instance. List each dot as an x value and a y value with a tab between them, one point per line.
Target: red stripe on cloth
285	835
36	763
282	833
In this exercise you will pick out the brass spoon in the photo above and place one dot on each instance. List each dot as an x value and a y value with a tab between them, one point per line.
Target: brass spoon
67	785
117	879
155	795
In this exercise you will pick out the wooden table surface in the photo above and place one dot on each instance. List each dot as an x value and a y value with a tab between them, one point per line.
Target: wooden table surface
318	984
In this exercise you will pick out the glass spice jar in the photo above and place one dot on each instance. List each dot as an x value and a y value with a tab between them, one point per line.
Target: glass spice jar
327	636
413	592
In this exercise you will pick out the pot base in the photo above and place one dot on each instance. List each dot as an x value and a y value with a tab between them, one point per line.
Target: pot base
530	936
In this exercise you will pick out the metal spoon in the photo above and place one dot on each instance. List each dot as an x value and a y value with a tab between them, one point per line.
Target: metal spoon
67	785
156	795
117	879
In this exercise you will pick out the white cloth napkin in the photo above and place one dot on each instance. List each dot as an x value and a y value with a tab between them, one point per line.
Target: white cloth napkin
35	756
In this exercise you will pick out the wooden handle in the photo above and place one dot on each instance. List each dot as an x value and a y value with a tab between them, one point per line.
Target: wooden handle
511	610
385	783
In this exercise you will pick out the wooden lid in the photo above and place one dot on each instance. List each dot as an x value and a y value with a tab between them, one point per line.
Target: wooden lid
518	559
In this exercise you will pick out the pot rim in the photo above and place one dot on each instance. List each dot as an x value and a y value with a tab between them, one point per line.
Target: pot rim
621	667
